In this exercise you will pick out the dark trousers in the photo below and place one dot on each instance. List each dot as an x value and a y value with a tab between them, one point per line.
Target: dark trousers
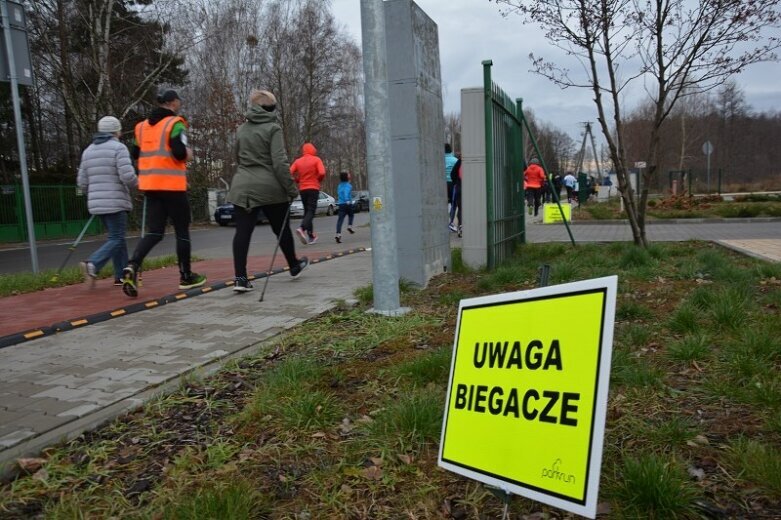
449	192
245	225
536	199
309	201
161	206
455	206
344	210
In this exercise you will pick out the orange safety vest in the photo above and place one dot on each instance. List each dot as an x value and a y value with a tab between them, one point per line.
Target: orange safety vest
158	169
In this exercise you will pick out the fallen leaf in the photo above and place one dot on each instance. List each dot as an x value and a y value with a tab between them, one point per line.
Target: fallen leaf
603	508
372	473
319	435
406	459
41	475
377	461
30	465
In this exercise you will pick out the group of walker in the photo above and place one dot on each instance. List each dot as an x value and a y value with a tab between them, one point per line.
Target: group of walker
264	181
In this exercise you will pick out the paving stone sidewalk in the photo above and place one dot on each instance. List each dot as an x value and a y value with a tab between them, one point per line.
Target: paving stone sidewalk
55	387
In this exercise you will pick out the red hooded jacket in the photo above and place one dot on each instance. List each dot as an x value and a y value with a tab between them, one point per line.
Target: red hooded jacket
308	170
534	176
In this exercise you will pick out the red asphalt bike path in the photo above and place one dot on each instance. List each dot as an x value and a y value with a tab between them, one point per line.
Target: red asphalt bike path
41	309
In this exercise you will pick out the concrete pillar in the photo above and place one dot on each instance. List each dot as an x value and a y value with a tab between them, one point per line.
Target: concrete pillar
475	242
417	141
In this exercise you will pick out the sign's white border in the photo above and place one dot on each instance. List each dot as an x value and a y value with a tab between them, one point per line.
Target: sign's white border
609	284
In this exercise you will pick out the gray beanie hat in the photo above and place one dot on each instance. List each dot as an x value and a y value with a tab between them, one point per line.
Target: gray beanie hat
109	125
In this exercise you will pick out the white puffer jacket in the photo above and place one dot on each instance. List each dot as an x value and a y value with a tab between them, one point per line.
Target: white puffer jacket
106	173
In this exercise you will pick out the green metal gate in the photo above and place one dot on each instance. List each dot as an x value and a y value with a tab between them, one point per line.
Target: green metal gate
504	161
58	211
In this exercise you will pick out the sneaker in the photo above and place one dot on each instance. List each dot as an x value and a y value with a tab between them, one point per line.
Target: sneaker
338	238
117	283
460	231
303	262
191	281
302	236
130	281
350	230
452	227
88	270
530	210
313	239
242	285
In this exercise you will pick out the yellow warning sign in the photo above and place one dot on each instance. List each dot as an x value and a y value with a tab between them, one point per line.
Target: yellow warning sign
552	215
528	389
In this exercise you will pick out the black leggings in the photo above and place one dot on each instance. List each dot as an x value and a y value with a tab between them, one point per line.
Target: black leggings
160	206
309	201
245	225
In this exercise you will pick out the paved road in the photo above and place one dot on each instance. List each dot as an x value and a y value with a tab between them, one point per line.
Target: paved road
208	243
663	232
214	242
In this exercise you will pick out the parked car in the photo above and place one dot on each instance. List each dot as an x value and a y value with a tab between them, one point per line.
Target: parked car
223	215
326	204
360	201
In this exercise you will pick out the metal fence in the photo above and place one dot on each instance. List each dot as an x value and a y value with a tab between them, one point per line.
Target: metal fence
60	211
504	171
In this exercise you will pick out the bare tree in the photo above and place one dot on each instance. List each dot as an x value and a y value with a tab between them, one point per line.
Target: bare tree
676	47
97	57
453	130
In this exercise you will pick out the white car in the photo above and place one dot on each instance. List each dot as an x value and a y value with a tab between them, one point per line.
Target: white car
326	204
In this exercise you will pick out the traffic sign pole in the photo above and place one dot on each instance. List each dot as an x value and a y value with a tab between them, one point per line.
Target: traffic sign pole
707	149
28	208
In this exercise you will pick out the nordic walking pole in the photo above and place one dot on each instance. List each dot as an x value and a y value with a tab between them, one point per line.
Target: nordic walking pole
274	256
143	218
143	232
72	248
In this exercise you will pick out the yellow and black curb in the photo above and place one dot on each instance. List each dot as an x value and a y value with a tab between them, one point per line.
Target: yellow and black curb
76	323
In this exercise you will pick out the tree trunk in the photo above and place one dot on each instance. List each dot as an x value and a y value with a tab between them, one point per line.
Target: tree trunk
70	158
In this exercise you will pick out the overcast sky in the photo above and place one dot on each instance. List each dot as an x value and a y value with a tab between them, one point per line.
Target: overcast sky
471	31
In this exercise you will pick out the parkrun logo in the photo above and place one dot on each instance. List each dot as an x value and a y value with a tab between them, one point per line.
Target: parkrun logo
554	473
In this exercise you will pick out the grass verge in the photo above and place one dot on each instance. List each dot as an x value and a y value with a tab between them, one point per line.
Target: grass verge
341	417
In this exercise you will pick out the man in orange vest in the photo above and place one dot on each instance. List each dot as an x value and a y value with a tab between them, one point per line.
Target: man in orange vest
162	153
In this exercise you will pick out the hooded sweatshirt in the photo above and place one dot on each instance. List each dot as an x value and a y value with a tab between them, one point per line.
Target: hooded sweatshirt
262	176
308	170
534	176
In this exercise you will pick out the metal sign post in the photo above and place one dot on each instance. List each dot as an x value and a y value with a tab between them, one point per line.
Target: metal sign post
12	73
385	269
707	149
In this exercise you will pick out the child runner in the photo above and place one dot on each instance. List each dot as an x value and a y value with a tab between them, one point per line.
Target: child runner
345	201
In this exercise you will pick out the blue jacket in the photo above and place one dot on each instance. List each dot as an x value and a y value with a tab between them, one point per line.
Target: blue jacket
344	193
450	161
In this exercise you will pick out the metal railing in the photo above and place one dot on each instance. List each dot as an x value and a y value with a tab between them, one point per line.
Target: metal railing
60	211
503	171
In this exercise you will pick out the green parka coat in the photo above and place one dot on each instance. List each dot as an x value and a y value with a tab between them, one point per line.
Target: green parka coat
263	174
